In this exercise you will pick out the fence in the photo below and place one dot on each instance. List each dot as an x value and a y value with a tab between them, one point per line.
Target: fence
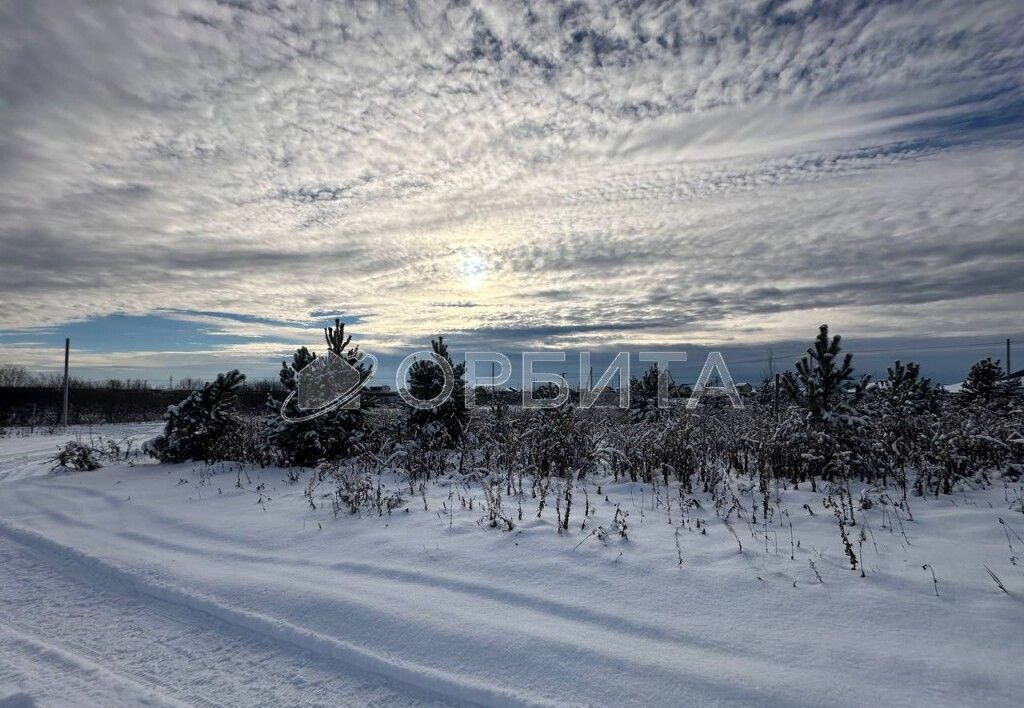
41	405
91	404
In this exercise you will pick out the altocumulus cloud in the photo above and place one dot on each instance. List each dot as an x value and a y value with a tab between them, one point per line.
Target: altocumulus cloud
620	171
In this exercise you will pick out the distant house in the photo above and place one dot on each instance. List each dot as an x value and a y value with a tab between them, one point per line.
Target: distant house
381	395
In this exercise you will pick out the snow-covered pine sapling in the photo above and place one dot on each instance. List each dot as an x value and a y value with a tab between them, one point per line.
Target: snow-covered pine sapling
679	548
198	427
446	423
326	437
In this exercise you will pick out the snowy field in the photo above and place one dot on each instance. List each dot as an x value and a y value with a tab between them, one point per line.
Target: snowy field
171	584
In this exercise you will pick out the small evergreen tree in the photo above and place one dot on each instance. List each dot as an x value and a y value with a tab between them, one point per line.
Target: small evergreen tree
547	392
823	384
823	430
197	428
904	386
426	381
326	437
643	393
986	385
903	414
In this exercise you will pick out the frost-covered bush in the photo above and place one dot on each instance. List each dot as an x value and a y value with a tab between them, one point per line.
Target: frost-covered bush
564	447
246	441
351	488
203	426
76	457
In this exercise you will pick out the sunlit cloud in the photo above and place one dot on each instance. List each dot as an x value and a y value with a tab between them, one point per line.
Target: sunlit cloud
527	174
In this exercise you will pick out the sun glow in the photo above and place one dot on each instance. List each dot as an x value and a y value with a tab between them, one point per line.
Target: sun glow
472	268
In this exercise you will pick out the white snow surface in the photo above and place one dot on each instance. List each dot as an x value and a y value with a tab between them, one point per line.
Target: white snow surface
154	584
24	453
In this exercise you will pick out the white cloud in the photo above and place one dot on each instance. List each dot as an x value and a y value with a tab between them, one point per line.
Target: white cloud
626	170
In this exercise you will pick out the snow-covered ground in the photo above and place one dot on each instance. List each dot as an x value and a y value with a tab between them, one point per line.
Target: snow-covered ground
170	584
25	453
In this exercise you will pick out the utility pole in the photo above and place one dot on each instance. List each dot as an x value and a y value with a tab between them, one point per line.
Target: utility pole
67	358
1009	368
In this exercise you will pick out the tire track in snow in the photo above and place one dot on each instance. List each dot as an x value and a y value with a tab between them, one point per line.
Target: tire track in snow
429	681
625	629
93	659
587	633
66	642
53	657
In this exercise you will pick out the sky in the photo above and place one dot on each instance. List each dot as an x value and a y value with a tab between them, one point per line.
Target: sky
187	187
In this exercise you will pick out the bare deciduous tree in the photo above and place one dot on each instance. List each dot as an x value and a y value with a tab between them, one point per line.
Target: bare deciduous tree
14	375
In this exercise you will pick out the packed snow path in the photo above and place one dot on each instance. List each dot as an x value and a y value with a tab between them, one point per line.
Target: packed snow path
70	637
66	641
